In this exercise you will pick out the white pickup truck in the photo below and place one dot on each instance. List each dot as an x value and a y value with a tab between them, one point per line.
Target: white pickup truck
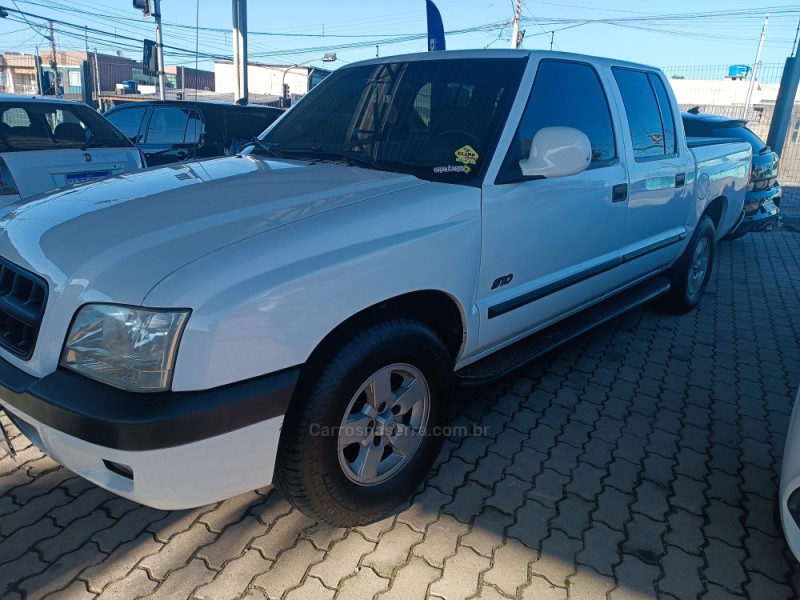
300	314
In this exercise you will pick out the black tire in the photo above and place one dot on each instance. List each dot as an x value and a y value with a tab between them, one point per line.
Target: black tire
316	470
687	283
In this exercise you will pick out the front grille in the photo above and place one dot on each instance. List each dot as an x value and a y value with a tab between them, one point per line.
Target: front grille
22	299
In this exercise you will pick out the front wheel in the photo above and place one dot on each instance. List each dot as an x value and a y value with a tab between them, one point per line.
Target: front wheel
689	276
364	428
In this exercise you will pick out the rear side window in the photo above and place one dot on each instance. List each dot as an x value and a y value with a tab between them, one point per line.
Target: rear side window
665	110
173	125
565	94
53	126
128	120
651	139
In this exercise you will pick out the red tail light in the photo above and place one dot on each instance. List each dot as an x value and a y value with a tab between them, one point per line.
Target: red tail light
7	185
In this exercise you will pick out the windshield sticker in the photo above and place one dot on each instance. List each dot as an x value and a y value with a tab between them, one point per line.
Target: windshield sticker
467	155
452	169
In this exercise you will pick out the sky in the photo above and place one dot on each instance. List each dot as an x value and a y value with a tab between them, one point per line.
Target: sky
664	34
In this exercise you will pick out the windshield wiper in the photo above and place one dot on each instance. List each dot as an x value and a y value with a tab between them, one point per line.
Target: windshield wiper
271	148
348	156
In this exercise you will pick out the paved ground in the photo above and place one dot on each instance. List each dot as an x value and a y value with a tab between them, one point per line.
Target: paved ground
640	461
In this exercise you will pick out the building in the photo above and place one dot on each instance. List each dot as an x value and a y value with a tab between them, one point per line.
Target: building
18	73
269	79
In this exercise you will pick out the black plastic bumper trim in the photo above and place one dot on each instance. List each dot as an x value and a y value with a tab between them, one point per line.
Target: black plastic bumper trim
122	420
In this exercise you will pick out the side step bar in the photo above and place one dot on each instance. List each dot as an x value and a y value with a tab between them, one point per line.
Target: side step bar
522	353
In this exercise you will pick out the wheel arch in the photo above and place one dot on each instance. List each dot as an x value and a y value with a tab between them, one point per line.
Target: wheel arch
436	308
716	209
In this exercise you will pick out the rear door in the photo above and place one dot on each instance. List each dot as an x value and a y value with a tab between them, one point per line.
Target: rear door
45	145
658	201
173	134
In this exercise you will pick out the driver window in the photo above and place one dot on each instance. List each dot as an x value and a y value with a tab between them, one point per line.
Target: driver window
566	94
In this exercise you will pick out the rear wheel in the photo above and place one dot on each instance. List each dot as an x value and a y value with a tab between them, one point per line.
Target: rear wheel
362	432
689	276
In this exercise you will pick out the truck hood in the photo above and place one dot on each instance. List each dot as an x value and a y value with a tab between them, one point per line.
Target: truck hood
122	235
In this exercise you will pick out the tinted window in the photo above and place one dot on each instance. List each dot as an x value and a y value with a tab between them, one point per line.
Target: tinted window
194	128
740	133
128	120
644	116
438	120
49	126
564	94
167	125
665	109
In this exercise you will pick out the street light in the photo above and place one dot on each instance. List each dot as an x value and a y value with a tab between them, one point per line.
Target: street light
327	57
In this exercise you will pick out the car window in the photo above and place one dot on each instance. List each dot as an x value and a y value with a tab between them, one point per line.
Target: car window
437	120
665	110
644	115
128	120
565	94
49	126
740	133
170	125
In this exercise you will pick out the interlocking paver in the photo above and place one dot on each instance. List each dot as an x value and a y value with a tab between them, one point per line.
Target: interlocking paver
424	510
682	574
468	501
725	564
343	559
73	536
119	563
134	585
234	579
600	549
31	512
440	540
588	584
487	531
392	550
289	569
26	565
461	575
61	572
557	559
510	567
231	543
541	589
364	584
282	534
128	527
635	579
75	591
411	581
194	574
230	511
176	552
312	589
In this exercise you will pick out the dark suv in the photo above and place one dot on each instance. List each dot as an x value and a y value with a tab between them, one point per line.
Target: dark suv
169	131
763	200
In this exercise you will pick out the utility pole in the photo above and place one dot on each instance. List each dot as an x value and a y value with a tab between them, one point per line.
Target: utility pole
515	25
162	91
97	78
240	49
754	71
53	60
37	63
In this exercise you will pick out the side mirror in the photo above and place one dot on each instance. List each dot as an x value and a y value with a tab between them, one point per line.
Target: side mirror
557	152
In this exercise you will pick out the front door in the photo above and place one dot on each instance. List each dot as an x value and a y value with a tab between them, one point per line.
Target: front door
550	246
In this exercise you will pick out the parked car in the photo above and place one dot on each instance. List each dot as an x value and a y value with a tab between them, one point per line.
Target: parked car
763	200
300	313
169	131
47	143
789	494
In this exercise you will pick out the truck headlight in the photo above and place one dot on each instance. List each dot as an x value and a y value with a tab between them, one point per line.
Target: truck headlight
129	348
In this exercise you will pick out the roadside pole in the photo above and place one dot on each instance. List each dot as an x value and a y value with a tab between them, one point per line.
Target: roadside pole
240	49
162	92
754	71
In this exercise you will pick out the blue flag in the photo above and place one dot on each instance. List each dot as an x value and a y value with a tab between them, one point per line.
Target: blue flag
435	27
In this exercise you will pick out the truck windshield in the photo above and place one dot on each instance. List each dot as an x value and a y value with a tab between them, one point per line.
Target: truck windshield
436	119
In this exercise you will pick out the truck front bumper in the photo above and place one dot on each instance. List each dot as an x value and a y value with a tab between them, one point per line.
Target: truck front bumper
167	450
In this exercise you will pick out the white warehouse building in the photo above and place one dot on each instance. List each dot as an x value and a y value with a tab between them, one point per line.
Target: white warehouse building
268	79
